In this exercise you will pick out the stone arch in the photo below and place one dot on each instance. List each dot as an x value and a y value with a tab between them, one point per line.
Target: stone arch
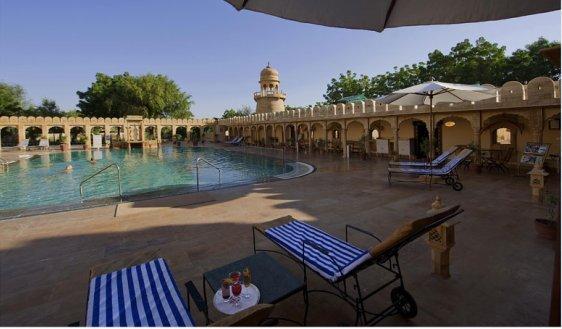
77	135
269	136
54	134
278	133
33	133
261	135
417	131
150	132
518	131
317	131
9	136
383	128
290	134
453	130
166	132
303	133
355	130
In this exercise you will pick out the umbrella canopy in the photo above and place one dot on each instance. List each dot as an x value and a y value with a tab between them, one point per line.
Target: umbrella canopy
434	92
376	15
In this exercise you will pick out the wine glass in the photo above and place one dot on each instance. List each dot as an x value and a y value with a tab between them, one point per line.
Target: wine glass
247	279
236	290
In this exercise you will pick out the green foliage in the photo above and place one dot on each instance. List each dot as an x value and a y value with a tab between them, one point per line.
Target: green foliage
478	63
48	108
14	103
243	111
230	113
152	96
12	99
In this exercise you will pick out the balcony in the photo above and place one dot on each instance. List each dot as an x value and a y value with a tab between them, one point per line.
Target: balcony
271	93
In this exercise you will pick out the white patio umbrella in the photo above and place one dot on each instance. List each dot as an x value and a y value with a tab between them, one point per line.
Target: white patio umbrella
376	15
433	92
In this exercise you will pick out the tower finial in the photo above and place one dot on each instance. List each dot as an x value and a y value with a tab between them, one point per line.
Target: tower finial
268	64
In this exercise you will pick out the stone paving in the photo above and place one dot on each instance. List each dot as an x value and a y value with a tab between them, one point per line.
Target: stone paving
501	271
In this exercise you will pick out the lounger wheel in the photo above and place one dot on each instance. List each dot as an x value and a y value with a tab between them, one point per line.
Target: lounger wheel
457	186
449	180
404	302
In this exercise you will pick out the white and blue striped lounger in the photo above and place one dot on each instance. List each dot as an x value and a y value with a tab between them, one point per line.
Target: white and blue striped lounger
435	163
292	235
142	295
445	170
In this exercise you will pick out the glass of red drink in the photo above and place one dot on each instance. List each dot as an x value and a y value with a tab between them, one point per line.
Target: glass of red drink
235	276
236	290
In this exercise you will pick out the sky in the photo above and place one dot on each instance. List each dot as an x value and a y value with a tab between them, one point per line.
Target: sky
214	53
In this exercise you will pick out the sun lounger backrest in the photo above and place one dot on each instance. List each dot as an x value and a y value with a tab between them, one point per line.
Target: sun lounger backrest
457	160
44	143
444	155
24	143
411	231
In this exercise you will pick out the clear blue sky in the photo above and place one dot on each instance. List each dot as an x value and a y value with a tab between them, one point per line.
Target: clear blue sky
54	48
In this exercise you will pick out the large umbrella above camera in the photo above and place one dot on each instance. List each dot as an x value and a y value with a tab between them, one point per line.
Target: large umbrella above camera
433	92
376	15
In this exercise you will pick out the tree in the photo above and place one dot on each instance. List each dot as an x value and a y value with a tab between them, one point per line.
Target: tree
347	84
478	63
152	96
230	113
48	108
12	100
526	64
245	110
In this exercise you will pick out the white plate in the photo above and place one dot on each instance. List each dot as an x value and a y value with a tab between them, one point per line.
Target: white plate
230	308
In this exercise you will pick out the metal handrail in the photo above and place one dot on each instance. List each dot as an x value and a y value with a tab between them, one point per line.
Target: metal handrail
210	164
99	172
4	163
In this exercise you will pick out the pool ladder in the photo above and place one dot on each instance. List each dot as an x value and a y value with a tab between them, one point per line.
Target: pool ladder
3	165
99	172
210	164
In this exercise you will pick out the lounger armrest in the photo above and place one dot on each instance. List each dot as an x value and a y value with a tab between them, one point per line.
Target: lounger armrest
197	299
347	227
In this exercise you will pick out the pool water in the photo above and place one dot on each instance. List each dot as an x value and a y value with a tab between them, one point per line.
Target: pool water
42	181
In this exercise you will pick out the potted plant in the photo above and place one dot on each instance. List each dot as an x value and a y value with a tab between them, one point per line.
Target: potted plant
546	227
85	140
63	145
477	166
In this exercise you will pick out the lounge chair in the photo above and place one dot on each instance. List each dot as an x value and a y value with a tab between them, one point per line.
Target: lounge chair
435	163
44	144
447	172
235	140
239	142
146	295
24	145
337	261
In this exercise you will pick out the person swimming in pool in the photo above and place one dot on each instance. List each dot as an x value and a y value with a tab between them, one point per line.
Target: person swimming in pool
93	161
68	169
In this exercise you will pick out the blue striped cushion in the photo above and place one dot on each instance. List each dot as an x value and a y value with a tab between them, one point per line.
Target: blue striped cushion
141	295
290	236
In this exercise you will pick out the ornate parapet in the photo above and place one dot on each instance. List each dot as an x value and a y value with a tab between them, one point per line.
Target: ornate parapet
77	121
539	92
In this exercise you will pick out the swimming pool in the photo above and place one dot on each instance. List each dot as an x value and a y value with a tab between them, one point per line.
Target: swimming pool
42	181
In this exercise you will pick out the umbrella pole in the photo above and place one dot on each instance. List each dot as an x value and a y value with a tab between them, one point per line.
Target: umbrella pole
430	138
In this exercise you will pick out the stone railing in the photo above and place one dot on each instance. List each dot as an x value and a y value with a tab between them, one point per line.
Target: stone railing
77	121
541	91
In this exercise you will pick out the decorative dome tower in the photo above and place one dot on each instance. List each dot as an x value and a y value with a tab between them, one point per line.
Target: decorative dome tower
269	98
